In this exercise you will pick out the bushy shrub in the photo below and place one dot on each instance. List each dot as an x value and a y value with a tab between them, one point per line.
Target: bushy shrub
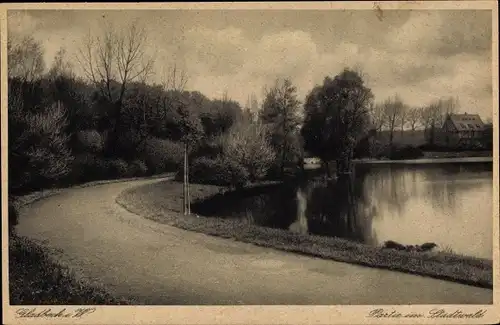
210	148
246	144
39	155
138	168
163	155
90	167
131	143
90	141
220	171
119	168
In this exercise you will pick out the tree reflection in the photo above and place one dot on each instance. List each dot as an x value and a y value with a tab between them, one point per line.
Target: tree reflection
347	206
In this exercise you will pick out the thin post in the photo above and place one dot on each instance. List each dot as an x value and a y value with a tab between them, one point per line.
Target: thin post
185	181
187	184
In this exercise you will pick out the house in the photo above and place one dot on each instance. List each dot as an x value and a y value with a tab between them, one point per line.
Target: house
462	130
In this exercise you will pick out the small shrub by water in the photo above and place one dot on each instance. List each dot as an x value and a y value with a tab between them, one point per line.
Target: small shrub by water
400	153
220	171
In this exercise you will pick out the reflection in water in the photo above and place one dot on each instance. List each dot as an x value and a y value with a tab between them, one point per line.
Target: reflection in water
300	225
449	204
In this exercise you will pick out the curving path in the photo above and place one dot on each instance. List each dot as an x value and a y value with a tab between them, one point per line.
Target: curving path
158	264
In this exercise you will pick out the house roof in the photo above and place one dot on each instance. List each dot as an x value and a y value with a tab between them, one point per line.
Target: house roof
467	122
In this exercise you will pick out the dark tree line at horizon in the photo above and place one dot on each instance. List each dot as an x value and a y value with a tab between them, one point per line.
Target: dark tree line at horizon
113	122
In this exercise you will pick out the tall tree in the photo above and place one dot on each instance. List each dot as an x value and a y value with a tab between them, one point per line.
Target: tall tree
393	109
377	116
25	58
435	113
111	61
336	118
403	118
247	143
413	117
280	112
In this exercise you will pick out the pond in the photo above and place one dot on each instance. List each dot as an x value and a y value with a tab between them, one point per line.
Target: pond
448	204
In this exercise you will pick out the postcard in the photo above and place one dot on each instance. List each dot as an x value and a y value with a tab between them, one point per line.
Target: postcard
250	163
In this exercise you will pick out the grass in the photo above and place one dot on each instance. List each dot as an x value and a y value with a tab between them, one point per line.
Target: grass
162	202
35	279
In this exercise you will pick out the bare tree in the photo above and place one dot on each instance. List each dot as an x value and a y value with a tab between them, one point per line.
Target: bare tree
402	118
60	66
413	117
175	79
393	108
25	58
433	115
115	57
377	116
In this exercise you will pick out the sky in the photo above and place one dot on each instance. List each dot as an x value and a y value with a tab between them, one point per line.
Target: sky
419	55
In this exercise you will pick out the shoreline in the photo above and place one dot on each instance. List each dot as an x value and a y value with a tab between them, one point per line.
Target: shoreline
161	202
426	160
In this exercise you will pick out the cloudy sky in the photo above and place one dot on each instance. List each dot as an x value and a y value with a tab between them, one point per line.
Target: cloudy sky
420	55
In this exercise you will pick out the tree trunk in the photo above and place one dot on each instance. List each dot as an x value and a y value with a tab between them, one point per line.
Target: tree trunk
283	157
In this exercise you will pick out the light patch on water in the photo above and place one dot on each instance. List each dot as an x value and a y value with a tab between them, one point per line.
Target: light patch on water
300	225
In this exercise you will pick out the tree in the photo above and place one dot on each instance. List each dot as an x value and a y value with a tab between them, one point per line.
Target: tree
377	117
60	66
280	114
434	114
393	110
403	118
413	117
111	61
39	155
72	92
246	143
336	118
25	58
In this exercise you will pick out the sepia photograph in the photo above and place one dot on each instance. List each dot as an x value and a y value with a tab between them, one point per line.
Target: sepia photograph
250	156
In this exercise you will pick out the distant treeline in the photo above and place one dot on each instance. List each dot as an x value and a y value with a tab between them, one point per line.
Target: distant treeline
112	122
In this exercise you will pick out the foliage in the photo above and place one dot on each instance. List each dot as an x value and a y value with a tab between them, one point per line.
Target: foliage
25	58
336	116
220	171
118	168
89	167
394	111
219	116
247	144
138	168
280	114
38	147
400	153
90	141
163	155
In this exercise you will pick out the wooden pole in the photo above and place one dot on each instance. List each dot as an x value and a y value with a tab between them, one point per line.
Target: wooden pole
188	195
185	181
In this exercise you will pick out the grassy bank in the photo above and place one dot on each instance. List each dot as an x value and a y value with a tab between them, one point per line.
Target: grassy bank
35	278
162	202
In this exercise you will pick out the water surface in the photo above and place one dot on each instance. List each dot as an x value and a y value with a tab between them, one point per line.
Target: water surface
448	204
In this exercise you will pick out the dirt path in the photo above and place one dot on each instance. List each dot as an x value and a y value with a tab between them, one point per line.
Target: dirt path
158	264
